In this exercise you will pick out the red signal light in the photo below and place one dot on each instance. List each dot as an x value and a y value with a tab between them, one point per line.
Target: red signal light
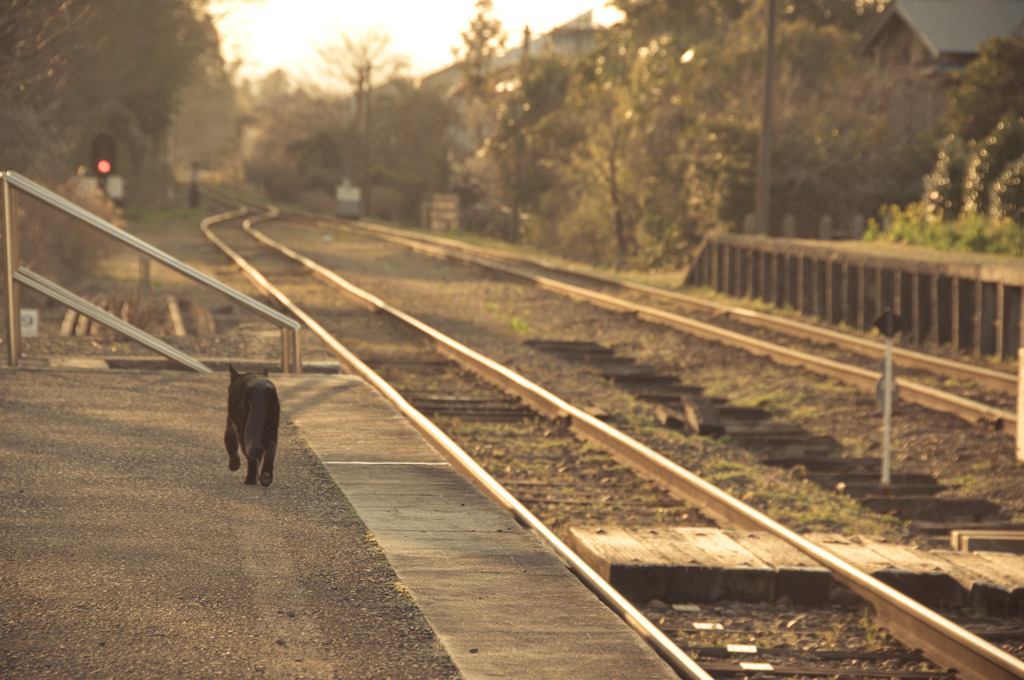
103	166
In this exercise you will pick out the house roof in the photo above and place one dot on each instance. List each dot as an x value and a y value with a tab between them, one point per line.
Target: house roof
951	26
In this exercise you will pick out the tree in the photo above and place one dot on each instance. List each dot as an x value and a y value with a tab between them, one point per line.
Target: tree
988	89
297	141
483	42
206	128
410	133
75	68
355	60
37	43
527	125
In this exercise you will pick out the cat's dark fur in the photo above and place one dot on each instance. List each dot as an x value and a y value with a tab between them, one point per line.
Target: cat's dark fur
253	416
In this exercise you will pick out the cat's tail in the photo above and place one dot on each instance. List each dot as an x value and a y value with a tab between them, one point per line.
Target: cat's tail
254	425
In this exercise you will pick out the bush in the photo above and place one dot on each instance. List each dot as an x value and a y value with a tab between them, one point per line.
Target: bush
1006	194
943	187
918	224
991	157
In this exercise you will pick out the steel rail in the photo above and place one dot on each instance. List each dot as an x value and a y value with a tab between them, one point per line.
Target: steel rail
915	625
998	380
291	349
469	468
967	409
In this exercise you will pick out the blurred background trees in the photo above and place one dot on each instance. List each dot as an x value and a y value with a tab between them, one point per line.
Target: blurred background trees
623	152
76	68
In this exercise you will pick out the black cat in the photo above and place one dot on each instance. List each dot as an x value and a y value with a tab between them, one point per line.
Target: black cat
253	416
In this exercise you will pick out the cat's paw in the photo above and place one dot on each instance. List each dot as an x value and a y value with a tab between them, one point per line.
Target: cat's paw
266	478
234	464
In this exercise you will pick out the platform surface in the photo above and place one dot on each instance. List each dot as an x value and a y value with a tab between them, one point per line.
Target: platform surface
501	603
127	548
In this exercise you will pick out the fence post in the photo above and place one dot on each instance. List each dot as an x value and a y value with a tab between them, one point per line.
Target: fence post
825	228
1020	404
10	263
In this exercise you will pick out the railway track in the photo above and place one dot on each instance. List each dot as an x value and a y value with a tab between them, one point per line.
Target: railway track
944	642
996	407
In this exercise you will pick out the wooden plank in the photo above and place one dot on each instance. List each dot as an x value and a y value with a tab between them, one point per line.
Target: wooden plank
921	576
746	428
990	583
747	578
174	312
82	325
997	540
695	576
701	415
67	326
797	576
1009	564
628	564
854	552
892	567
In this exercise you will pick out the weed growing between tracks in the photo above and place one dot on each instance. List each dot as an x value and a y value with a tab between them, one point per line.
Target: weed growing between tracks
781	494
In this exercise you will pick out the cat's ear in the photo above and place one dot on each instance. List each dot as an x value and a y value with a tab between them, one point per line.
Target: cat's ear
234	373
265	371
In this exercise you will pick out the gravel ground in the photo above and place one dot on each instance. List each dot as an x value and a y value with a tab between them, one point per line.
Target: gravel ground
136	553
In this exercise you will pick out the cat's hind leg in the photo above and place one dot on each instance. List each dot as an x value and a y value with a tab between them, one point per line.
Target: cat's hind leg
253	467
231	444
269	451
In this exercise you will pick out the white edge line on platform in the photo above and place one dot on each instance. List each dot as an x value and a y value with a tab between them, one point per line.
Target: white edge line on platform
383	462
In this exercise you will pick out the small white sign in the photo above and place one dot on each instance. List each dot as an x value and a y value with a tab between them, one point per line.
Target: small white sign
753	666
115	187
347	194
29	323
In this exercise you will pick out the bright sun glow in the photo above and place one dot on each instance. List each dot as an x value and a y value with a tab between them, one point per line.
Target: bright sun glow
284	33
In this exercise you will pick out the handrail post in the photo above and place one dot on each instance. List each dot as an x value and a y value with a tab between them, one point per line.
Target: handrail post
290	350
10	263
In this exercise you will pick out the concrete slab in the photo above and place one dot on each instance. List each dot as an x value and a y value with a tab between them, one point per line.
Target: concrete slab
500	602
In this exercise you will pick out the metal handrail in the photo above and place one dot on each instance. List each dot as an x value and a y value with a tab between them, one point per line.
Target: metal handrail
42	285
290	359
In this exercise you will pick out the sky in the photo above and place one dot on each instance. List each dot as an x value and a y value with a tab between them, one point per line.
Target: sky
270	34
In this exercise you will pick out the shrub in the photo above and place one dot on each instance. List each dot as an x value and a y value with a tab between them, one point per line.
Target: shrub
1006	193
990	158
943	187
917	224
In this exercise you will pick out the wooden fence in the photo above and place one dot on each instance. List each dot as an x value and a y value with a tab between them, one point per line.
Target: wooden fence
972	302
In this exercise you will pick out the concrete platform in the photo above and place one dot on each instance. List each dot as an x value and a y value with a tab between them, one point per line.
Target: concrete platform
499	601
127	548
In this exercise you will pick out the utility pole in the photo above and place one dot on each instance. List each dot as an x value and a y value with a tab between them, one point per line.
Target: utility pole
366	90
762	202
